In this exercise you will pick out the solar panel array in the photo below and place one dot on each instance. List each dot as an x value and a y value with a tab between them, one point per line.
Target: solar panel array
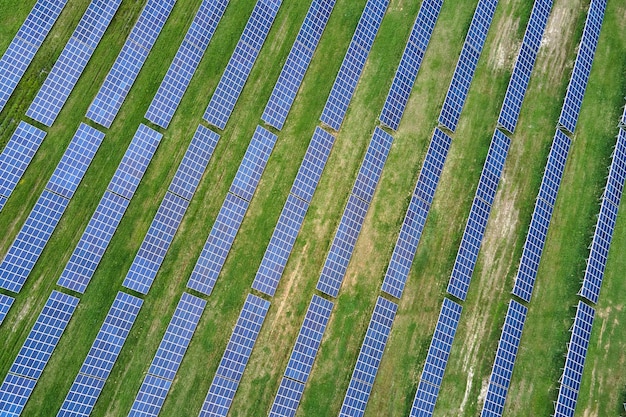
102	225
574	362
294	210
542	214
354	214
297	63
302	357
35	353
524	65
235	358
410	63
69	66
5	305
104	351
166	362
436	360
16	157
25	44
415	218
505	360
464	72
185	62
479	214
128	63
161	233
353	63
42	220
371	353
231	214
582	66
241	62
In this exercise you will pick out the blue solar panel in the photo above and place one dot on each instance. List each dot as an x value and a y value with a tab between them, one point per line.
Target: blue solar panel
236	356
410	63
575	361
494	164
122	75
185	62
505	360
25	44
298	61
372	165
73	60
5	305
433	165
582	66
287	399
14	394
371	353
241	62
16	156
437	359
312	165
151	396
104	351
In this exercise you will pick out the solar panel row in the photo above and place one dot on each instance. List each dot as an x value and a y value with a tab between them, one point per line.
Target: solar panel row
437	359
241	62
410	63
542	214
69	66
25	44
479	214
16	157
464	72
371	353
298	61
43	219
5	305
233	210
103	223
582	66
353	63
505	360
235	358
185	62
575	361
353	216
128	63
99	362
35	353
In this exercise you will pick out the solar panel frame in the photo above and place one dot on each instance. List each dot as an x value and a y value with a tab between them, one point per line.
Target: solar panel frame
5	305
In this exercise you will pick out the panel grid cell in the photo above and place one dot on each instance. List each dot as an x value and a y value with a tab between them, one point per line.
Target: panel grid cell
313	165
287	399
5	305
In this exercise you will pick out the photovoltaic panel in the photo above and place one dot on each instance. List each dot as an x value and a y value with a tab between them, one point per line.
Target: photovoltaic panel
287	399
505	360
353	63
241	62
14	394
73	60
372	165
437	359
555	167
185	62
5	305
312	165
582	66
298	61
128	63
16	156
410	63
82	396
433	165
537	24
25	44
371	353
151	396
236	356
492	170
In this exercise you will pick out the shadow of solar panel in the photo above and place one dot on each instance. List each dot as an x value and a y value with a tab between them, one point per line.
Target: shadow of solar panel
5	305
150	398
287	399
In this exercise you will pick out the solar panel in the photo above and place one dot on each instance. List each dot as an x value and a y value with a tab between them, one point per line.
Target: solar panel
437	359
353	63
433	165
104	351
241	62
128	63
287	399
25	44
69	66
505	360
371	353
236	356
312	165
14	394
185	62
16	156
298	61
5	305
151	396
372	165
410	63
575	361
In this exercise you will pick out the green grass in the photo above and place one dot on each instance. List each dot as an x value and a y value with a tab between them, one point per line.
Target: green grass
535	380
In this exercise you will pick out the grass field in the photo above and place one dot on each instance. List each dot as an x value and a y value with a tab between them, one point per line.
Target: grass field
539	363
